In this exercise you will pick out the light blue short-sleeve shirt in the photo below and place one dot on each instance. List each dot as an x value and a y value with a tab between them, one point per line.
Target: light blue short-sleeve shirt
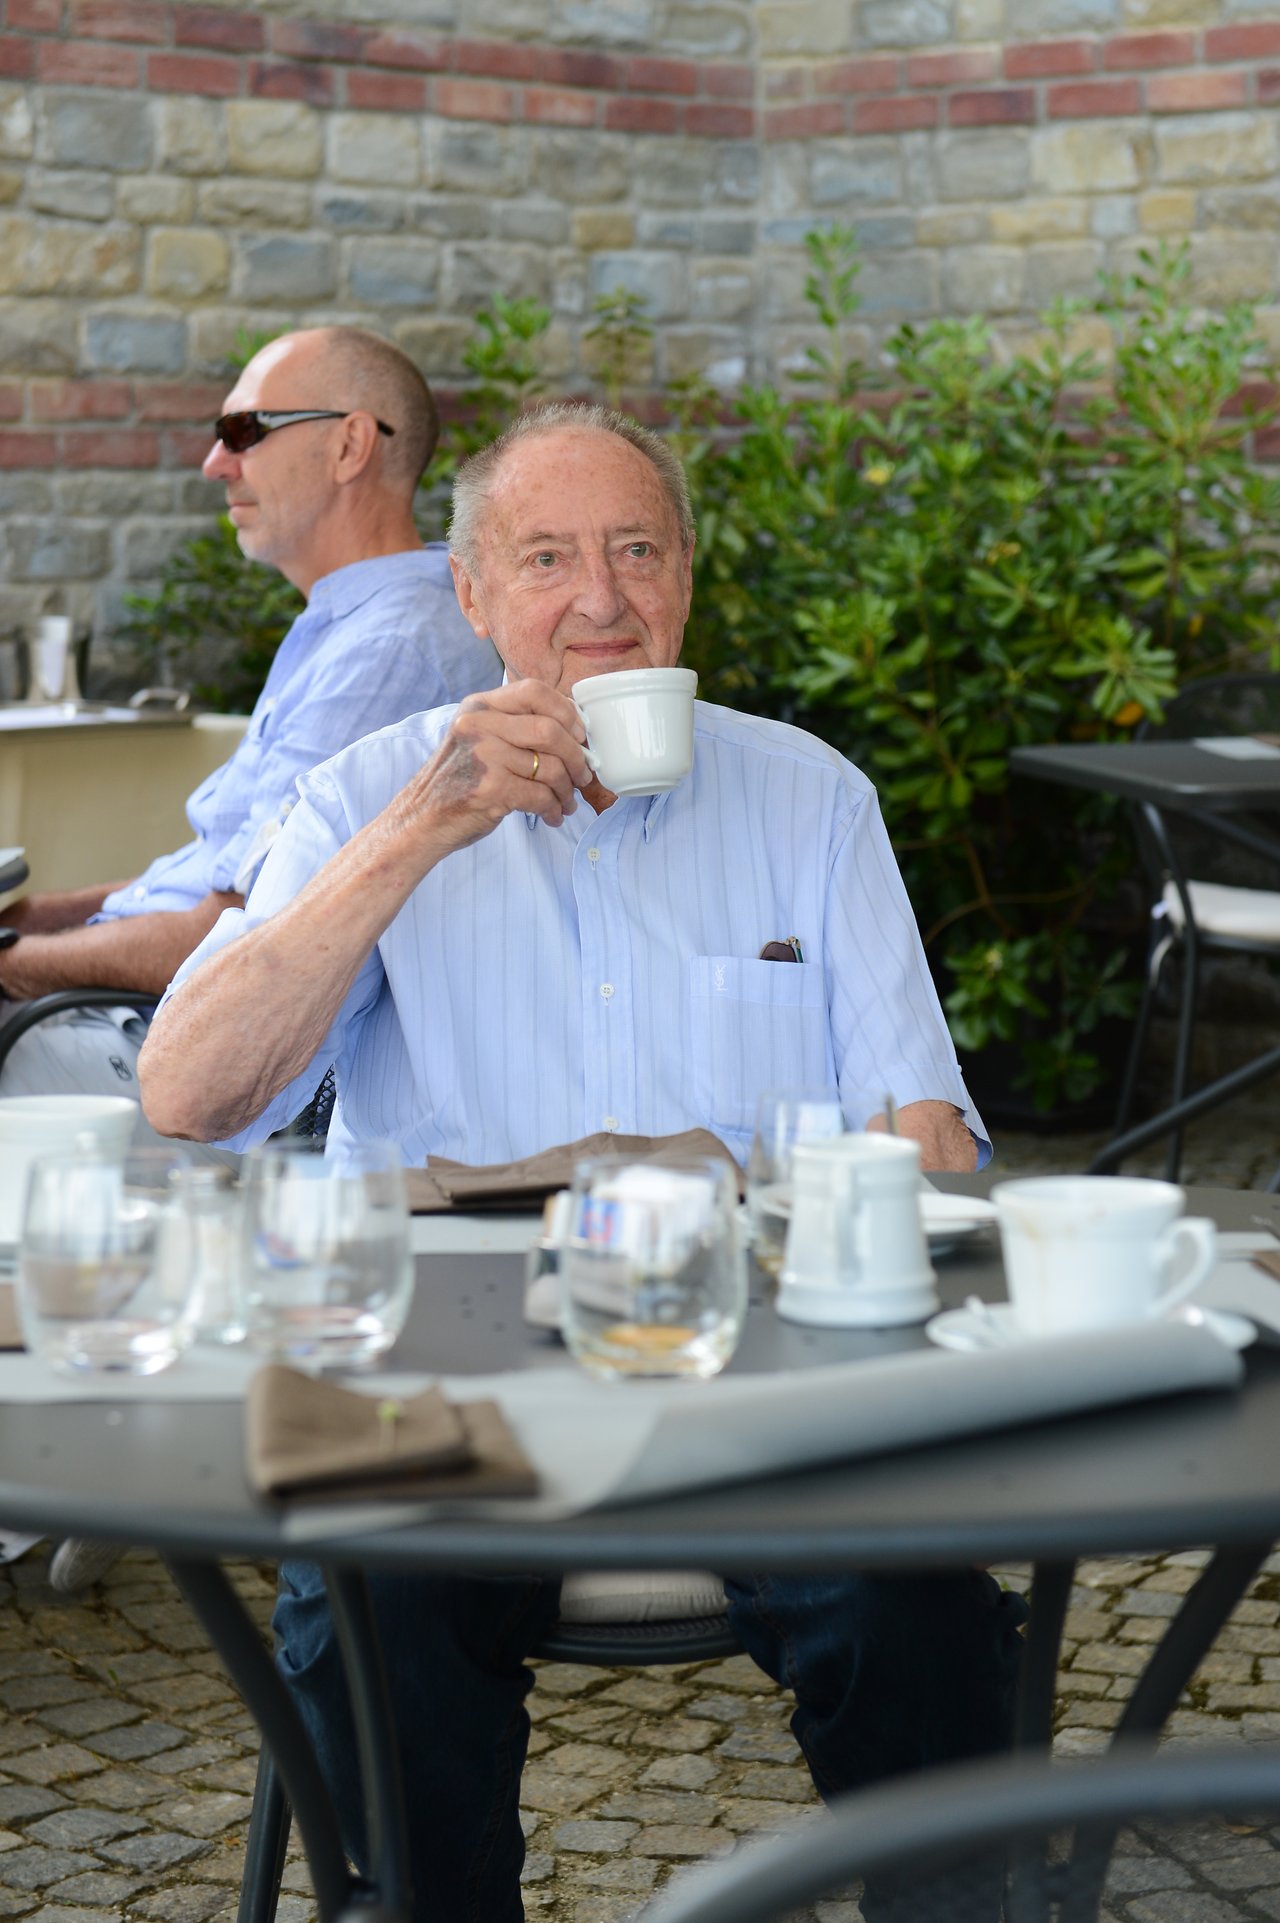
546	983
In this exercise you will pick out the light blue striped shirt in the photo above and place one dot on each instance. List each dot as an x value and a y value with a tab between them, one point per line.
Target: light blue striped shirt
377	640
549	982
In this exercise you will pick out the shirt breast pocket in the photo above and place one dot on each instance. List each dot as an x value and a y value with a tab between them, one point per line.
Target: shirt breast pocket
756	1025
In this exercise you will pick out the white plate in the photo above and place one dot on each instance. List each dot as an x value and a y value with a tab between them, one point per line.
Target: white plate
995	1328
946	1218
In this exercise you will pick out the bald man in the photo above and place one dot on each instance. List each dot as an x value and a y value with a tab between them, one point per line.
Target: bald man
324	439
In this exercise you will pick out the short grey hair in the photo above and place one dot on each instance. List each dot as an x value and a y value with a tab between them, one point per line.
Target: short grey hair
474	479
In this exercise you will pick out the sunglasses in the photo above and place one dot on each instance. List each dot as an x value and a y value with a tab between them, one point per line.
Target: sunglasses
244	430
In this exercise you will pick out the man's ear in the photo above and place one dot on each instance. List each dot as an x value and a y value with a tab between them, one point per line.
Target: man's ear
467	591
355	451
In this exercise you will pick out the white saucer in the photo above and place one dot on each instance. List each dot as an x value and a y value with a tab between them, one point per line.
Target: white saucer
996	1328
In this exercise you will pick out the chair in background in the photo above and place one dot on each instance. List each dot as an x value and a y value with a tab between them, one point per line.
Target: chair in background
928	1830
1215	880
28	1014
606	1619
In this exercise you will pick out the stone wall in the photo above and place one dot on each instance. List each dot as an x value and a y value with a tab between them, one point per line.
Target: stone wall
172	173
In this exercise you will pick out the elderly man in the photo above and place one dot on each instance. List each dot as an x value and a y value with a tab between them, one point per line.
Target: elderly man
493	967
325	437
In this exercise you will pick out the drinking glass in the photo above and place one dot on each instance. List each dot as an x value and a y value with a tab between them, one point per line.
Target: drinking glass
784	1117
214	1202
327	1273
652	1274
106	1262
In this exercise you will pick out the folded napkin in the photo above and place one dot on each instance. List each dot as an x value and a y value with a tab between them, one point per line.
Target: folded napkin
10	1327
309	1437
523	1184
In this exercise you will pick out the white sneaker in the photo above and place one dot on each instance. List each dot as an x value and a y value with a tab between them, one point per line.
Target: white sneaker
77	1563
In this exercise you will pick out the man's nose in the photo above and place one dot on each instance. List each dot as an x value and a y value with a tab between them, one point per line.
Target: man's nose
597	594
218	464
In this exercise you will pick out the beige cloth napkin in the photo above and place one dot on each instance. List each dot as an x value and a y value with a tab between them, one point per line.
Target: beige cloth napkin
10	1328
308	1437
525	1184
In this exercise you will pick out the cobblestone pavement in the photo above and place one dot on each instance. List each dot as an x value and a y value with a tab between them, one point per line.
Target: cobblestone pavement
126	1760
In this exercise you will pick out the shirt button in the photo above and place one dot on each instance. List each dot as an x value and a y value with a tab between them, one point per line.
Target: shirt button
139	892
610	1124
593	856
606	989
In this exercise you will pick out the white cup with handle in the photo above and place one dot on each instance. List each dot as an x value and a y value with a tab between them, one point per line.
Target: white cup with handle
856	1254
1088	1252
35	1125
639	724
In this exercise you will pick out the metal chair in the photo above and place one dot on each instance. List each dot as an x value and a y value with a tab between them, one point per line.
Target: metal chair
601	1644
28	1014
922	1833
1215	882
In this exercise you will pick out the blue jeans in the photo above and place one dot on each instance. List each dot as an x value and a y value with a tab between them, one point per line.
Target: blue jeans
890	1674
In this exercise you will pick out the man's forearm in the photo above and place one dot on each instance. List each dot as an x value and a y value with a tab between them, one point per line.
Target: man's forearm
45	914
946	1145
138	952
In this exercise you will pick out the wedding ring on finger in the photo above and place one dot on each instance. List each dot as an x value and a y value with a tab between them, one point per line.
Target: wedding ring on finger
537	762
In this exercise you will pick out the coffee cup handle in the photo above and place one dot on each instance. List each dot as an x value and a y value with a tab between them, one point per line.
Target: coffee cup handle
1197	1233
591	760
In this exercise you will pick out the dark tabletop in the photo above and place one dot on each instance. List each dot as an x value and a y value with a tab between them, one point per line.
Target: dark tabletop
1179	1472
1169	774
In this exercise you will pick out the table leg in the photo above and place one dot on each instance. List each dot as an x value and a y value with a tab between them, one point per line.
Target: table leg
1027	1898
385	1816
236	1637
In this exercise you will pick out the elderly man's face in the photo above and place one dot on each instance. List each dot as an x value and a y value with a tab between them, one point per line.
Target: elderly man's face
581	569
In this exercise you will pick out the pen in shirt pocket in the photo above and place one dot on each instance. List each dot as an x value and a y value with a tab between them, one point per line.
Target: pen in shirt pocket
786	950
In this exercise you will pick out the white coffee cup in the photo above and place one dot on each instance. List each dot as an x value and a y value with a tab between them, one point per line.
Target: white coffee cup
32	1125
639	725
1096	1251
856	1254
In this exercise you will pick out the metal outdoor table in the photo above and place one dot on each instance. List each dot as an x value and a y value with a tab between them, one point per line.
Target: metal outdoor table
1189	779
1185	1471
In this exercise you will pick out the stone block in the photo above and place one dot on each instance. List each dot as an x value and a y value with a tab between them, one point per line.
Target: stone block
955	226
477	272
278	137
843	173
75	258
707	30
40	551
1031	220
884	231
1172	13
721	293
233	202
900	286
1036	17
1223	271
980	280
1209	147
374	150
147	546
349	212
112	131
16	235
543	226
75	196
674	173
662	281
285	267
727	234
737	172
980	20
186	263
448	219
1090	159
100	496
37	336
581	169
474	159
1113	217
595	228
29	494
628	23
11	186
435	346
149	198
905	23
135	342
986	166
198	496
190	136
785	27
1244	209
392	273
1069	270
17	124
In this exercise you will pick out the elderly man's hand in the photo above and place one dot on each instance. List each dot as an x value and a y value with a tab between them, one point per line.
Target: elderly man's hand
519	748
